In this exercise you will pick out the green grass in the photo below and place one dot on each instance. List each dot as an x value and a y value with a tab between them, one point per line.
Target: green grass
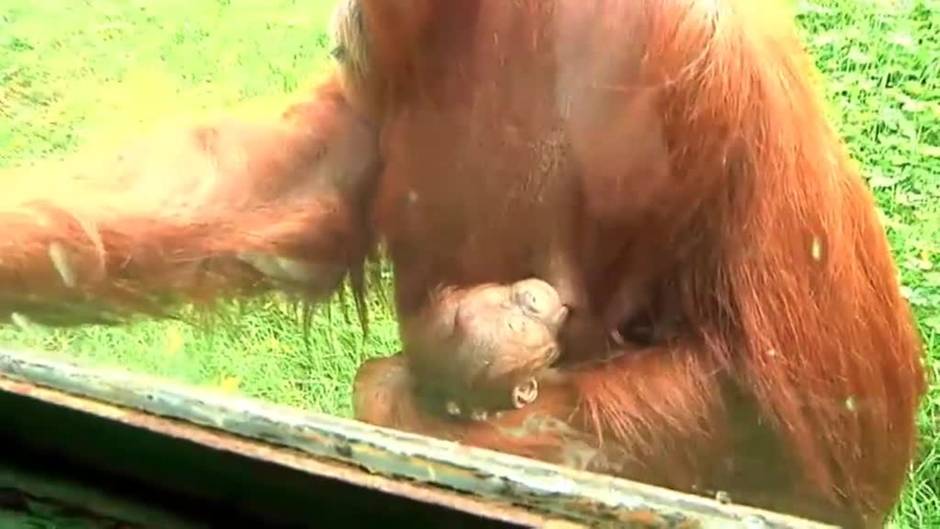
70	75
74	71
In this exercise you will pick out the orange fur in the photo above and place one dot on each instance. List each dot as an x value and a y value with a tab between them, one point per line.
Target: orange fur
192	215
707	180
659	159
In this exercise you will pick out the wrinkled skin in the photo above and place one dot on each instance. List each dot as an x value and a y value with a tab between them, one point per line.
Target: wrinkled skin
480	349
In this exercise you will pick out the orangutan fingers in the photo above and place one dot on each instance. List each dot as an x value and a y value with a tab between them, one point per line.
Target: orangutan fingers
479	415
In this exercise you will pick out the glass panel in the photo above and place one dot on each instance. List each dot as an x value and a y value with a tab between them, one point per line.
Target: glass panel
634	238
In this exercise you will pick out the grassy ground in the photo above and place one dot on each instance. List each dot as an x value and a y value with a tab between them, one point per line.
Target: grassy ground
70	71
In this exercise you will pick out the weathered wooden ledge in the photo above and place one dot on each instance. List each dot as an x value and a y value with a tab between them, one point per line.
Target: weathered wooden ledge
175	434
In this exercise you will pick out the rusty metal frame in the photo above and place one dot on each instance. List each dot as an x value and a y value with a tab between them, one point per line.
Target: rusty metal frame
485	487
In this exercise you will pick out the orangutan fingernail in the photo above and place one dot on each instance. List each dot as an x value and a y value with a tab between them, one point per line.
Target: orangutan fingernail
60	260
20	321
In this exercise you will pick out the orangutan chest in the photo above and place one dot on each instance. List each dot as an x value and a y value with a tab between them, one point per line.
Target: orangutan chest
486	200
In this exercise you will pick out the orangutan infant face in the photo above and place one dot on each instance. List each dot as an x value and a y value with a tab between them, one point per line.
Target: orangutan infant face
504	335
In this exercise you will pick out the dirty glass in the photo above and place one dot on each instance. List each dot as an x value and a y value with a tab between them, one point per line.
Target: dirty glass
655	240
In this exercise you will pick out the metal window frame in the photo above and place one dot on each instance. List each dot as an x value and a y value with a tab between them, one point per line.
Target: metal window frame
137	448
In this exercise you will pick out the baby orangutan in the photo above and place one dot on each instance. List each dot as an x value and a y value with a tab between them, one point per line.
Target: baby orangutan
480	350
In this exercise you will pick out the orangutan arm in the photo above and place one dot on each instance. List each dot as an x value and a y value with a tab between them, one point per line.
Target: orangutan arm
655	415
191	215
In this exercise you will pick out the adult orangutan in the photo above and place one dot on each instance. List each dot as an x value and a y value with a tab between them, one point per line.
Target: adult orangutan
732	315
